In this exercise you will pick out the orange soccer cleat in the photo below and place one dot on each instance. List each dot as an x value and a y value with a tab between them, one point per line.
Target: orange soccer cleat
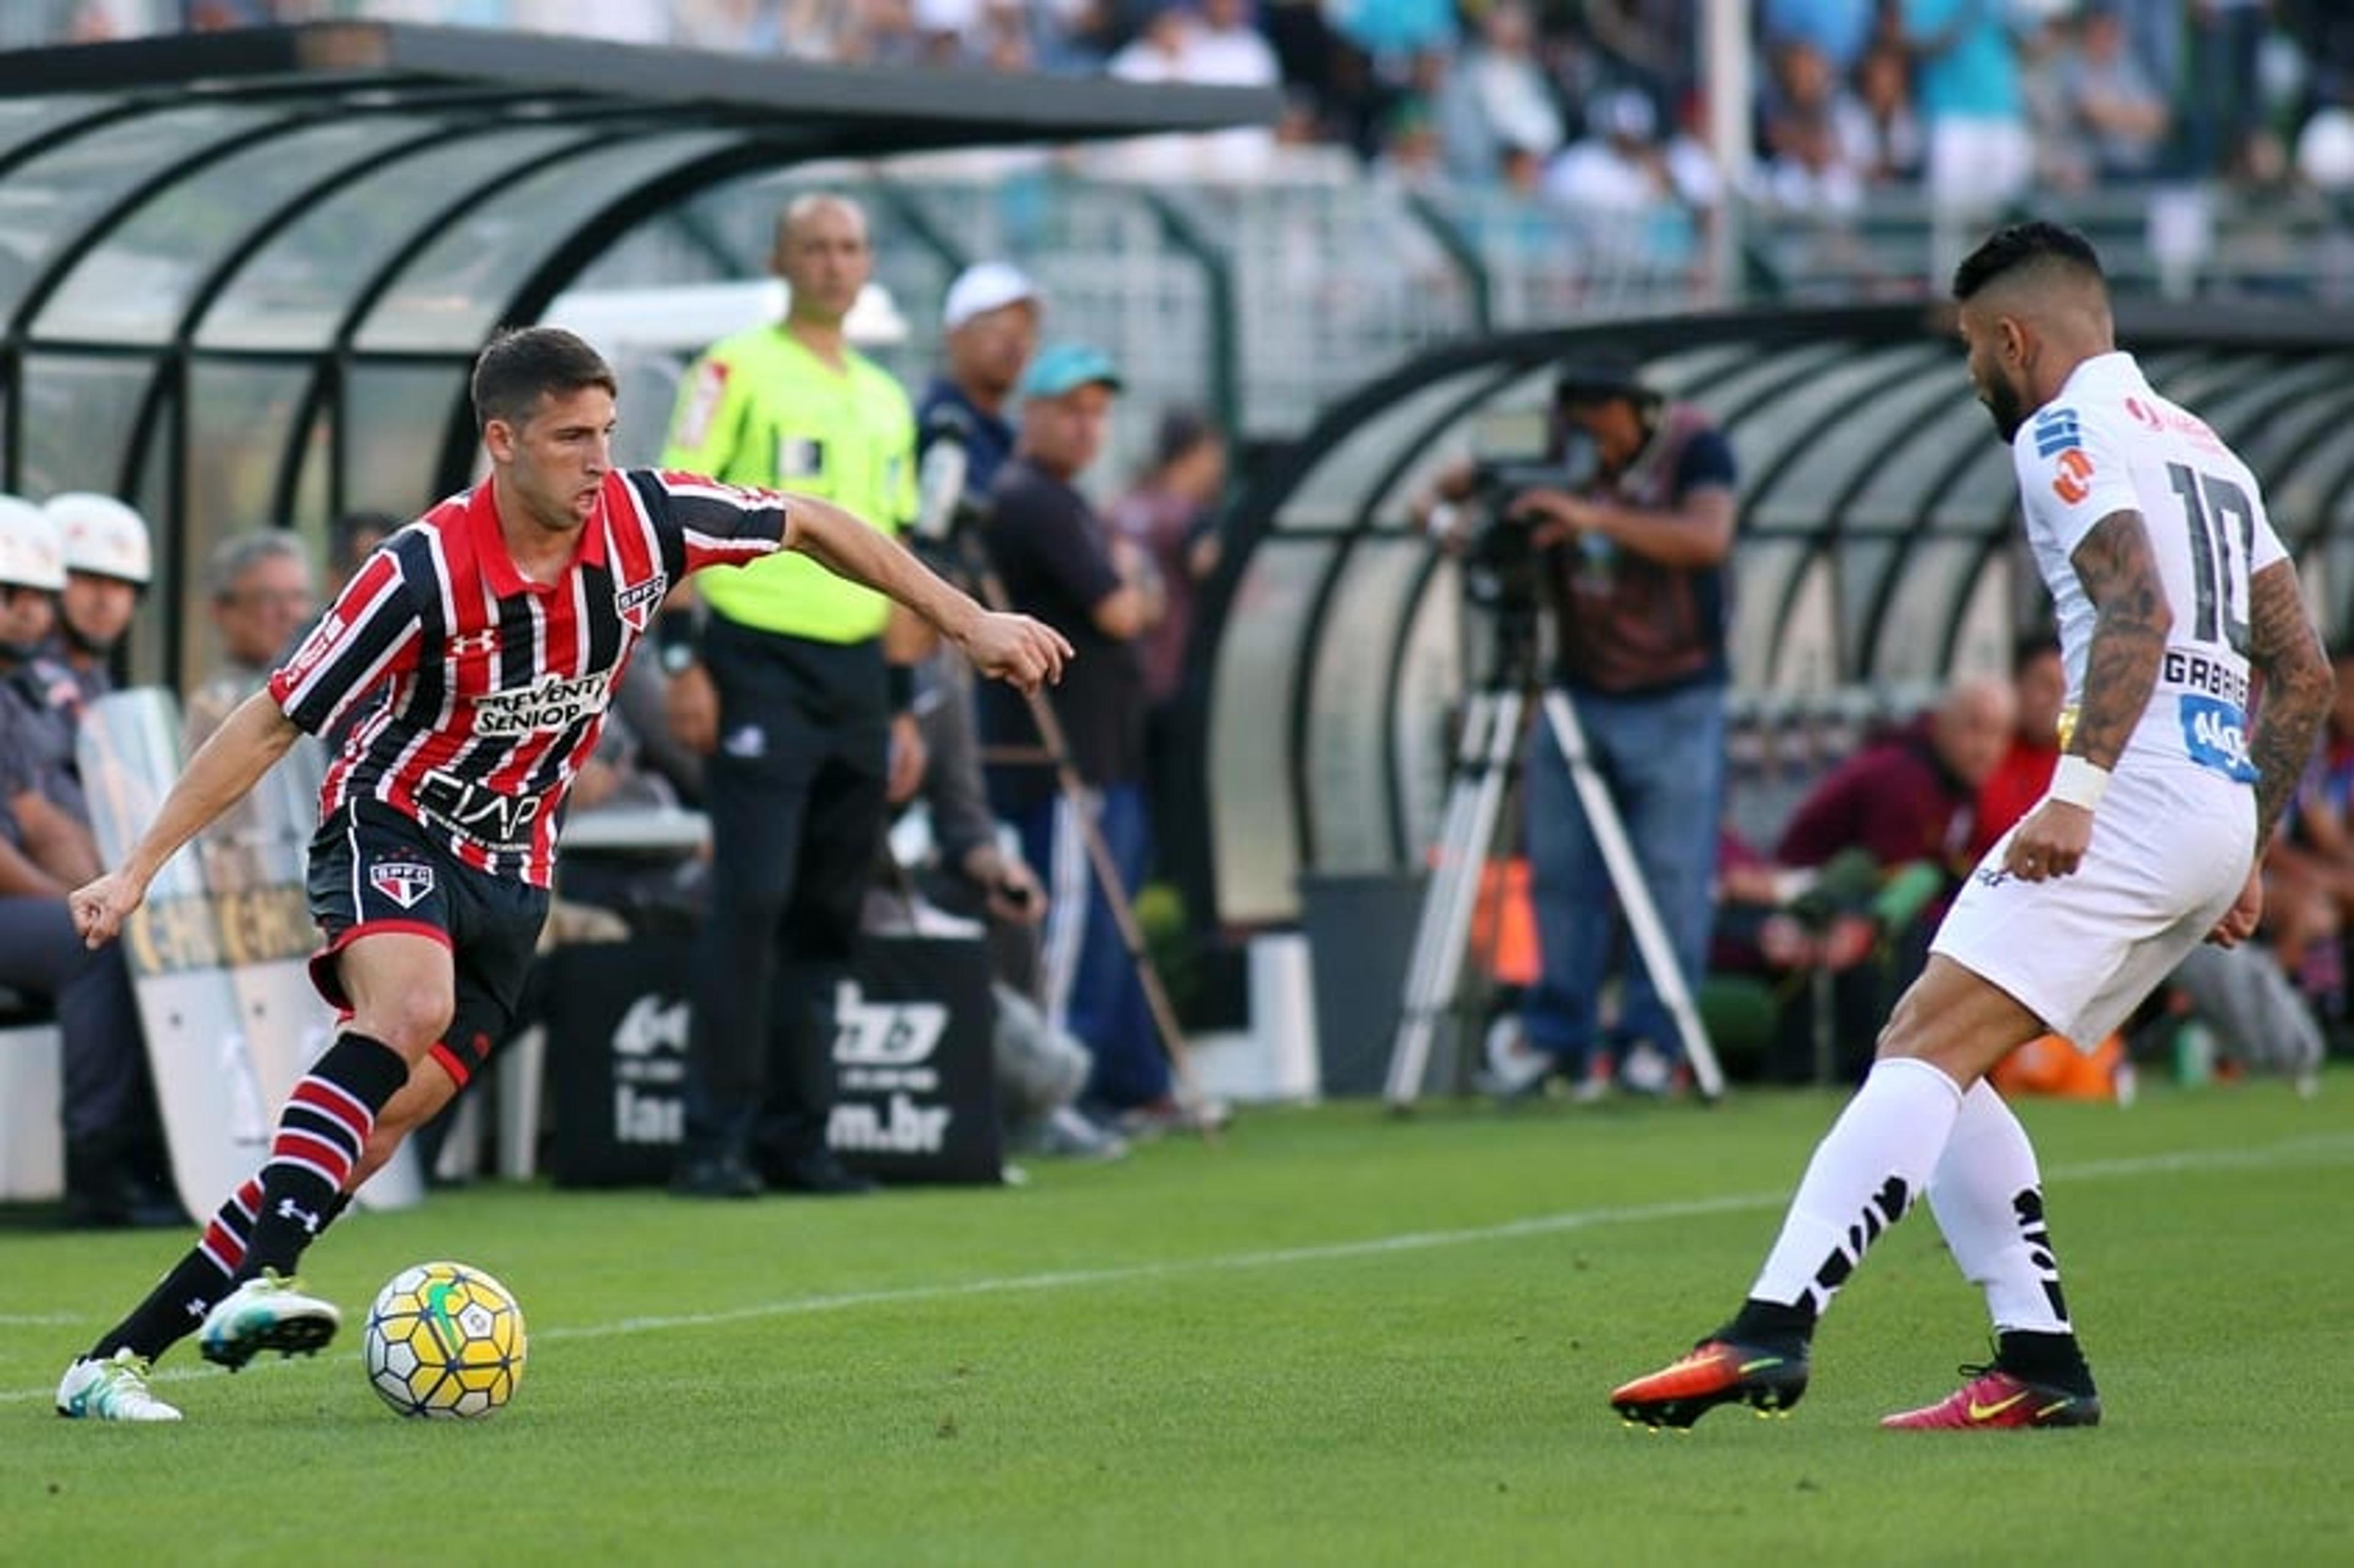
1717	1371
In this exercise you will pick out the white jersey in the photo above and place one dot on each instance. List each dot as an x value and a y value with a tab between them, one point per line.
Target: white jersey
2107	444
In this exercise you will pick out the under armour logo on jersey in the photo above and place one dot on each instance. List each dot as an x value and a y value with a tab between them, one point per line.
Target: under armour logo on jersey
748	744
472	644
405	882
288	1209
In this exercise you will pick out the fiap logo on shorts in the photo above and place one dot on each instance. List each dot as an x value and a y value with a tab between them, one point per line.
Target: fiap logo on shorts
2073	483
405	882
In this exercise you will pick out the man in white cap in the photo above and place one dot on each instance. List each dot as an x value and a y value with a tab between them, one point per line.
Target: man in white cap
991	329
108	564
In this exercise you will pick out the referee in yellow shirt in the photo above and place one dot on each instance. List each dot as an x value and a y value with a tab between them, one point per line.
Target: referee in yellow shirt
788	690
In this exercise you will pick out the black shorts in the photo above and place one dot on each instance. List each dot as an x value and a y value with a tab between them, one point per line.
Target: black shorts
373	870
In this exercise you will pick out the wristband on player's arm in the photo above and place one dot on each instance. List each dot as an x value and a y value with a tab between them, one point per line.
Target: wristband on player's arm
899	682
2079	781
676	637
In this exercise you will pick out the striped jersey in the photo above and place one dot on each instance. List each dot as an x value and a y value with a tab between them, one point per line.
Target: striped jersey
496	686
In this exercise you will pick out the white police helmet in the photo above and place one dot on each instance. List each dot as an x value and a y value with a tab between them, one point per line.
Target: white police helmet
103	536
31	554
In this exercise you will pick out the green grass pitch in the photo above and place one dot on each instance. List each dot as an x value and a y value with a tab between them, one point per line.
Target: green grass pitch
1334	1338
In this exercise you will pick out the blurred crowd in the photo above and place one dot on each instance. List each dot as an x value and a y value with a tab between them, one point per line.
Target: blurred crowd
1588	102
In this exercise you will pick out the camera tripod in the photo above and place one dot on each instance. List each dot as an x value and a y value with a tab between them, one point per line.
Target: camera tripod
1469	840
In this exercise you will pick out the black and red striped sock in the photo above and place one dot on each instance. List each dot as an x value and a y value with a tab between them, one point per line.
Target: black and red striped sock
177	1306
321	1133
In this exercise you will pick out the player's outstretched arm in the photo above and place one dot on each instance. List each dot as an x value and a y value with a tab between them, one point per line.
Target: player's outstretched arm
228	765
2131	619
2286	651
1015	649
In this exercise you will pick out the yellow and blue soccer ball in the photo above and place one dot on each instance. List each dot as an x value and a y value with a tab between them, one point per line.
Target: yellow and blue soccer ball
445	1340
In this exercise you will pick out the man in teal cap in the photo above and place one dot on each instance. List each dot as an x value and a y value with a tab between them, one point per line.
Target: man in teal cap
1061	563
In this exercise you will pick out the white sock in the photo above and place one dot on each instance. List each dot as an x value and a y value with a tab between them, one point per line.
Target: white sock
1868	1170
1989	1198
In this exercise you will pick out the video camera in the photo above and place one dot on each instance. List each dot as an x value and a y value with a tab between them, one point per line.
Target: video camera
1514	454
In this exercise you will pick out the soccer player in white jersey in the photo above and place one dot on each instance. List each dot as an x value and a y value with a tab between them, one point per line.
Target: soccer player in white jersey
2171	588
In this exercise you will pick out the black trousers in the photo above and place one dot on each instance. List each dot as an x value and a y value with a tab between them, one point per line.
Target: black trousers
796	796
106	1091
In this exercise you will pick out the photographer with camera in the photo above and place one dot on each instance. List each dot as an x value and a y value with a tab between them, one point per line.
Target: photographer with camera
1627	545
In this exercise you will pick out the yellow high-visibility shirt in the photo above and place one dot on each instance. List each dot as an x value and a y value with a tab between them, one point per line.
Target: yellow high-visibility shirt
758	408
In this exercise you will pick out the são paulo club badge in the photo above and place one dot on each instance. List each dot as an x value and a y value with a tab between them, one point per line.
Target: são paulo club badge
403	880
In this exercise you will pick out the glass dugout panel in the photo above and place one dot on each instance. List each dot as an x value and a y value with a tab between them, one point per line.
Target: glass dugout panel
134	285
449	297
294	293
396	417
1255	849
45	201
78	411
1348	705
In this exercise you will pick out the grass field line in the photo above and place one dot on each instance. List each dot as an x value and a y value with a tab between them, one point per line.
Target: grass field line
2327	1148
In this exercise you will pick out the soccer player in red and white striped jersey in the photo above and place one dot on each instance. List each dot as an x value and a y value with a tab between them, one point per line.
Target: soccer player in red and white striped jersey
497	626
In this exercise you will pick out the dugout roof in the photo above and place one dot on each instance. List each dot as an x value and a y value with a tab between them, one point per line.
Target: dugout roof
243	273
1877	552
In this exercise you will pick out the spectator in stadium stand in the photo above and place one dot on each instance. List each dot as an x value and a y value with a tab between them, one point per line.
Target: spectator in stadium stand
2114	107
107	563
1967	70
1171	516
2224	103
1060	562
259	586
1839	30
1894	147
1817	142
1495	96
113	1141
989	331
799	697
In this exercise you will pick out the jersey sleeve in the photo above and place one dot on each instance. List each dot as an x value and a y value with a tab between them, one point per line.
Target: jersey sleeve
2071	475
370	632
701	522
2265	546
705	423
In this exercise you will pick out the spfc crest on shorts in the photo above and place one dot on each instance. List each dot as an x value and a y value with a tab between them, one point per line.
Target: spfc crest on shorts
402	881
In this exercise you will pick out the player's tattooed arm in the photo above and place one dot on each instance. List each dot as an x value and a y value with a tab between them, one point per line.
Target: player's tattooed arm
2298	685
2131	621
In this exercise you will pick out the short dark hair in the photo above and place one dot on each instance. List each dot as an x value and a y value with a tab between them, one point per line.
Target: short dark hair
519	366
2023	245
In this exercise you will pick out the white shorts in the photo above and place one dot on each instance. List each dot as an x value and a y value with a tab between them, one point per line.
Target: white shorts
2171	849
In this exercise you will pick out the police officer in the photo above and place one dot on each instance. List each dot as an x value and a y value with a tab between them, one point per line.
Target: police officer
113	1148
108	564
786	689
